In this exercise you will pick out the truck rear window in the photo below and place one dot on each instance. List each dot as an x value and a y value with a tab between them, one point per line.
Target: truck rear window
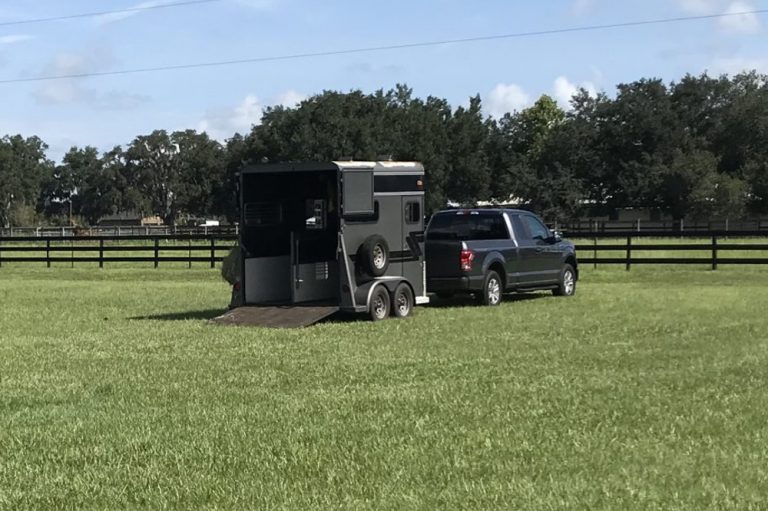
467	227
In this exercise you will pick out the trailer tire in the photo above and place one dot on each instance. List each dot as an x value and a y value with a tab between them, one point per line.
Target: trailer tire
373	256
380	305
402	301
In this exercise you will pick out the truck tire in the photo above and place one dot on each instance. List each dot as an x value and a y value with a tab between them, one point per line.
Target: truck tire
380	305
493	290
567	284
402	301
373	256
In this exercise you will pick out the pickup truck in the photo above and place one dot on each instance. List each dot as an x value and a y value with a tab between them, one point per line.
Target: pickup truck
487	252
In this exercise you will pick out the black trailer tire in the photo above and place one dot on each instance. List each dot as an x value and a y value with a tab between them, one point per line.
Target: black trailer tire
380	305
373	256
567	284
493	290
402	301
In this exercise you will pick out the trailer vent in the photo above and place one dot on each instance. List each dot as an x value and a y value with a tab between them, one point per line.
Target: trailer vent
321	271
263	214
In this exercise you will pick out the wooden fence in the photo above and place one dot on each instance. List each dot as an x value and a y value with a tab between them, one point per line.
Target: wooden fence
712	251
156	250
117	249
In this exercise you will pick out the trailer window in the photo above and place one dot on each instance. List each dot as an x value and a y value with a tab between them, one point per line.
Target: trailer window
412	213
315	215
358	192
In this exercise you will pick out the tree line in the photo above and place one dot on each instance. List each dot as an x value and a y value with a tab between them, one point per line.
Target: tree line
693	148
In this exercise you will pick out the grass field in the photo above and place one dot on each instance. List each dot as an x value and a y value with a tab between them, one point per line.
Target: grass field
645	391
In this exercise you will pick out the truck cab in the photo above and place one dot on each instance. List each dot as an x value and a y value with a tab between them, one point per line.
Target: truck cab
488	252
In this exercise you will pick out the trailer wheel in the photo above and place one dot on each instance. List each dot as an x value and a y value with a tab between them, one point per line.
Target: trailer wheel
374	256
402	301
379	306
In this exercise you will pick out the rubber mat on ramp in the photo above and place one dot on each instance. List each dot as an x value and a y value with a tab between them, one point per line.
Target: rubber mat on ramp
293	316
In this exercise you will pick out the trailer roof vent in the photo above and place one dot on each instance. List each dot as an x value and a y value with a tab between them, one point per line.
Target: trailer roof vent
263	214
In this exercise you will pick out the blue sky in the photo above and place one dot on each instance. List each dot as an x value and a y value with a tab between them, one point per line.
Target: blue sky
508	74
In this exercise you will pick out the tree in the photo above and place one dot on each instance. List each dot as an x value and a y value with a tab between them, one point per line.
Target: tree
468	176
23	170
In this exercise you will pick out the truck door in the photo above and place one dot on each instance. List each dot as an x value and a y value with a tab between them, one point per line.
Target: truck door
541	260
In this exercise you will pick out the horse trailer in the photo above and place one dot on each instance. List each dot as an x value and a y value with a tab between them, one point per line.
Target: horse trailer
320	238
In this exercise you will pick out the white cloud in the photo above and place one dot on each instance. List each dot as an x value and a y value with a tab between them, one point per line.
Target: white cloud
506	98
119	16
290	98
564	90
158	4
736	23
701	6
15	38
222	123
736	65
73	90
581	7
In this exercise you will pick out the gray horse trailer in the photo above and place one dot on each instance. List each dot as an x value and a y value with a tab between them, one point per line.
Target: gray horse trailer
320	238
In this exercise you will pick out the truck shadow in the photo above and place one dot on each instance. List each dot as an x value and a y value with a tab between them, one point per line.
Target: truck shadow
203	315
468	301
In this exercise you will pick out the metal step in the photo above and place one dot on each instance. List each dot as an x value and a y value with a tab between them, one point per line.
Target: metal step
289	316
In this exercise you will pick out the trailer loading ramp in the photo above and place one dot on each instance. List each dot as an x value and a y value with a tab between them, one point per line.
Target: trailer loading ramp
289	316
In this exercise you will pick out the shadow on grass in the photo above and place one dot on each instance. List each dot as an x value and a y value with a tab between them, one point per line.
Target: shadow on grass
183	316
468	301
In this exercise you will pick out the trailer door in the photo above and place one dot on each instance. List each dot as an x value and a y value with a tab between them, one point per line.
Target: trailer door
413	241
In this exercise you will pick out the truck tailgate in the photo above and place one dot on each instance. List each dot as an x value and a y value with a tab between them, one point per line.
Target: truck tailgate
443	258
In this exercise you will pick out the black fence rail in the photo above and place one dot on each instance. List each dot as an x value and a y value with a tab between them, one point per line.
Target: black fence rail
135	230
712	252
103	250
664	234
666	227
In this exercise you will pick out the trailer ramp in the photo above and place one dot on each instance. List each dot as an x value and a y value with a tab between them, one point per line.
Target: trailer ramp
289	316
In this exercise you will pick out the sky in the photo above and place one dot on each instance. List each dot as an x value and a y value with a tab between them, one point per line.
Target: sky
509	74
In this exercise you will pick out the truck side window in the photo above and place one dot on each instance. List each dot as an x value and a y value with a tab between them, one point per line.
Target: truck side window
537	229
412	213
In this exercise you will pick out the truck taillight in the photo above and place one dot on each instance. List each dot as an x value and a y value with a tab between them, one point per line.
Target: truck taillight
467	256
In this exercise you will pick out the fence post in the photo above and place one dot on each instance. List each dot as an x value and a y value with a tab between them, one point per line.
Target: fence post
190	253
1	249
48	252
629	252
213	253
714	253
595	252
157	252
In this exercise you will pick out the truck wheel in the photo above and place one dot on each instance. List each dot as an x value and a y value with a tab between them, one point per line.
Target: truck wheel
374	256
379	306
492	290
402	301
567	284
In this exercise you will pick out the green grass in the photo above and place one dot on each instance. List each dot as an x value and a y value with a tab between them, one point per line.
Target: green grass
645	391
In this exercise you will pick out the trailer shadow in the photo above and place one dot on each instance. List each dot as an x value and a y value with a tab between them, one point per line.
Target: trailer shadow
203	315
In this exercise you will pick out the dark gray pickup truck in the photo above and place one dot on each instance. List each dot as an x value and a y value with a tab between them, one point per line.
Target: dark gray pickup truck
487	252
